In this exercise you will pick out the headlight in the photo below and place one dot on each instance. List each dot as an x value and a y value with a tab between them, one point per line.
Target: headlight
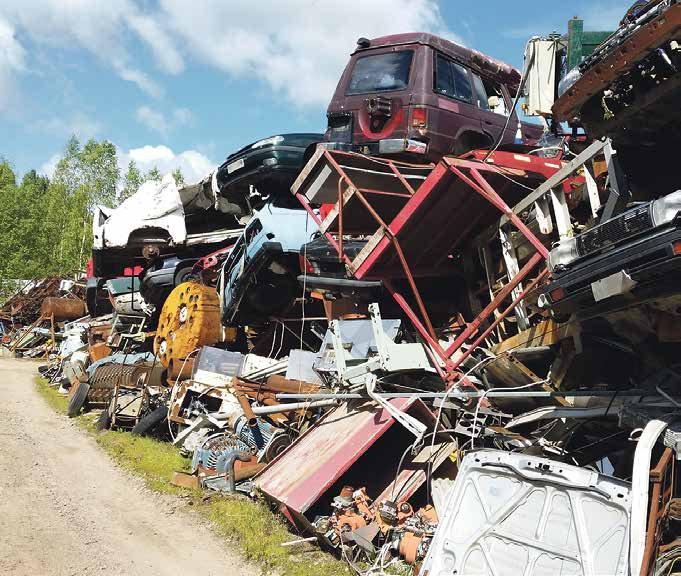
564	253
665	209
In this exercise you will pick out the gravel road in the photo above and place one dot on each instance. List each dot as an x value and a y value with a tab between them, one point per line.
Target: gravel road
66	509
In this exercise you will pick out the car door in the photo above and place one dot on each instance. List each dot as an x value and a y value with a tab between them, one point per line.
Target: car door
493	120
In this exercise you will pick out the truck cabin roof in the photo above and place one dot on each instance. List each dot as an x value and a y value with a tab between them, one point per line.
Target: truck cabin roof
472	58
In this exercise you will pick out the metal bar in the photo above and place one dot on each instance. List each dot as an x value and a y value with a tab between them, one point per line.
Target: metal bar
500	318
402	178
479	394
340	219
517	222
279	408
384	193
303	200
403	261
556	179
402	303
472	328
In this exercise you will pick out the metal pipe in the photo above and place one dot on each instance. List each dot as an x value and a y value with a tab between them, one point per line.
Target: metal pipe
477	394
277	408
229	462
246	407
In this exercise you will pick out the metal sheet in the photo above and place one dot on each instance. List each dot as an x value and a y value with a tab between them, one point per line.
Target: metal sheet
312	464
514	514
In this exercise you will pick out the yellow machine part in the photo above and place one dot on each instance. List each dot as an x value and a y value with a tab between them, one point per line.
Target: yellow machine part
189	320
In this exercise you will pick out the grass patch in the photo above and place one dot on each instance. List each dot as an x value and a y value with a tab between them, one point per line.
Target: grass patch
251	525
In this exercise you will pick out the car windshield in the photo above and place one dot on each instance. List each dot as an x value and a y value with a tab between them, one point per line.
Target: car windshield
381	72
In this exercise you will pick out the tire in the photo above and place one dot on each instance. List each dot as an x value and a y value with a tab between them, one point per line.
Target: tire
78	399
150	421
183	275
104	420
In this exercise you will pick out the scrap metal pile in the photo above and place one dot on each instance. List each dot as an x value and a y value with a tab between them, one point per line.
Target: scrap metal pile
466	362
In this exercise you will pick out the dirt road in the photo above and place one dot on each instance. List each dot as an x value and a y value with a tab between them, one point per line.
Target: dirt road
66	509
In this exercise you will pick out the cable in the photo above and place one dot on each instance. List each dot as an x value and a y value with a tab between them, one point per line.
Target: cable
521	86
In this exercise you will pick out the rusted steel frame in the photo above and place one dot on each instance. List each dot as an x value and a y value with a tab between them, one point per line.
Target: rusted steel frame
380	160
658	507
403	261
303	200
402	303
402	179
620	59
384	193
340	219
482	187
500	318
472	328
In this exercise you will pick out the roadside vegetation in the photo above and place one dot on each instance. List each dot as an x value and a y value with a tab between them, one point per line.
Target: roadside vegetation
251	526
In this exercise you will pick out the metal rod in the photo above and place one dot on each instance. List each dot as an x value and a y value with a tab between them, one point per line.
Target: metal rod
472	328
476	394
277	408
500	318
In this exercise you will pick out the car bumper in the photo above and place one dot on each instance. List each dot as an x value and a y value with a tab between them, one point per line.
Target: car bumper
382	147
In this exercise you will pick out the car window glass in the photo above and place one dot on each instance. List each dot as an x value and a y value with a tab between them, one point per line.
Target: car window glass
381	72
462	82
451	79
444	83
480	92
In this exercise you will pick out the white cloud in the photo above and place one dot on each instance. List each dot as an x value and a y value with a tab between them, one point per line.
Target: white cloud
157	121
160	42
12	60
102	28
193	164
297	47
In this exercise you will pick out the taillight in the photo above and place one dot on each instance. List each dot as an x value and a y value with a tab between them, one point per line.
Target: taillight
307	267
419	118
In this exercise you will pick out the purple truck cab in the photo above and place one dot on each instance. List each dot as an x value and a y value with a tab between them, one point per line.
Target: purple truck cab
421	96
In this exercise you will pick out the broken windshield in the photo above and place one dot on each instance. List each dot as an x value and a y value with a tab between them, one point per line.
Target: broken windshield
381	72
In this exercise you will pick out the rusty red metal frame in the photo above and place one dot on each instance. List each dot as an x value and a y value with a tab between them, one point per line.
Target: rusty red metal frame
481	186
662	480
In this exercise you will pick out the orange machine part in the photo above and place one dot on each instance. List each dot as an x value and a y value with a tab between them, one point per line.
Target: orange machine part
190	319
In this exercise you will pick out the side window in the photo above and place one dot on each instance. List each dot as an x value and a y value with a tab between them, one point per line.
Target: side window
452	79
494	89
481	99
463	82
444	83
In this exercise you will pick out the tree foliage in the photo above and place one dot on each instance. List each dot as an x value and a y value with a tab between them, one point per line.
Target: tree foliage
46	225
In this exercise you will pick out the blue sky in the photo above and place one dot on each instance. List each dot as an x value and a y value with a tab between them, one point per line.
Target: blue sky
185	83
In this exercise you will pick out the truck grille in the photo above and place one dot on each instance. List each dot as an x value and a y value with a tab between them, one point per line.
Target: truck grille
615	231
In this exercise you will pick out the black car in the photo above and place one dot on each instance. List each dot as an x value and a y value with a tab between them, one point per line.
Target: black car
323	272
632	257
270	166
158	281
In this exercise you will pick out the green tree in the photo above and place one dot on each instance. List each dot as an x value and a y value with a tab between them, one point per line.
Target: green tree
153	174
132	180
179	177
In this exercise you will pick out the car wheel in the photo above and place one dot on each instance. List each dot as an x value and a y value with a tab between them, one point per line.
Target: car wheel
150	421
183	275
78	399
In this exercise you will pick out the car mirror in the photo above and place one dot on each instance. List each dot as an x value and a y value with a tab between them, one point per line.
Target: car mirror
494	102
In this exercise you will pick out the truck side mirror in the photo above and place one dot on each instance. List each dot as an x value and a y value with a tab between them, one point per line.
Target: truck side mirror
493	102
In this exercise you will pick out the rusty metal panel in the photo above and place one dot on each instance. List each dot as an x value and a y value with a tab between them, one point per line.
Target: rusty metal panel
304	472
